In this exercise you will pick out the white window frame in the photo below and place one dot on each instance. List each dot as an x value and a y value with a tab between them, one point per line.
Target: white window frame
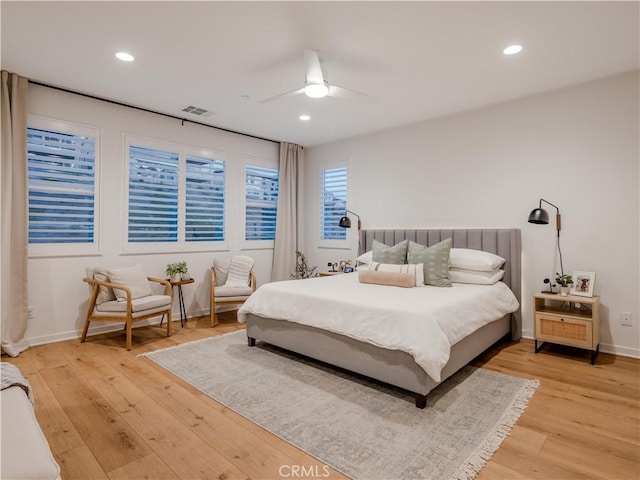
71	249
346	243
181	245
248	160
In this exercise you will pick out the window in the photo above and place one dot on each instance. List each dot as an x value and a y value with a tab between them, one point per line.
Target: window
261	202
176	197
205	200
61	169
153	195
334	203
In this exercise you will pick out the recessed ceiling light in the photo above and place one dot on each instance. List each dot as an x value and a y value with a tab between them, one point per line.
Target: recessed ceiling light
304	117
512	49
124	56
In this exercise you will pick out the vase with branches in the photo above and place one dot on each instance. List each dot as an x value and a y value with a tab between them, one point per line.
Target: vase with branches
302	269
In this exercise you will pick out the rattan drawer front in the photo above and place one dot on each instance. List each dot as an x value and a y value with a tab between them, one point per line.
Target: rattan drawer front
566	330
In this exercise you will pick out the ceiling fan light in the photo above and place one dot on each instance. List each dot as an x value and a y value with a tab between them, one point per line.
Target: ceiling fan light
316	90
125	57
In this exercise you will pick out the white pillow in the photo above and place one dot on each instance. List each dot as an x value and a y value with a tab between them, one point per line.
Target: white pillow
132	277
365	258
239	269
415	269
469	259
472	276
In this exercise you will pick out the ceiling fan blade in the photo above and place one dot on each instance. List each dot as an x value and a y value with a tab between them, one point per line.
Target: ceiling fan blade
313	68
286	94
341	92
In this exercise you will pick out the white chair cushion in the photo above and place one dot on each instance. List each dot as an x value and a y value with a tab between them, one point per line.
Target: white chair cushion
132	277
239	269
226	291
137	305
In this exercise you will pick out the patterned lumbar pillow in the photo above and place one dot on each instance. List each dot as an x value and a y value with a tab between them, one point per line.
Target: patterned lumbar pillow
417	271
435	259
393	279
385	254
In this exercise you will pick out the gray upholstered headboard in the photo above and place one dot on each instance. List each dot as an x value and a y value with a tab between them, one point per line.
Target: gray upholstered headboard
504	242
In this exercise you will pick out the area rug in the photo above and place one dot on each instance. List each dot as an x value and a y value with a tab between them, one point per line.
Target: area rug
359	427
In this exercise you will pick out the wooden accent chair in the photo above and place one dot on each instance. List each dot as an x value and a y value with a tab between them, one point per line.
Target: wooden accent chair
225	294
125	295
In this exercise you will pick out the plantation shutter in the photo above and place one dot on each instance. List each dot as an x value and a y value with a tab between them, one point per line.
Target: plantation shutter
153	195
261	202
61	184
334	203
205	200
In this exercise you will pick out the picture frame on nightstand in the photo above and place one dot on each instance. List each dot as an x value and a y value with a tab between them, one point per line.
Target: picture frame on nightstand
583	284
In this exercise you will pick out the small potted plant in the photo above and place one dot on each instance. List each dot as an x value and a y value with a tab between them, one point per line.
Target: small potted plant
565	282
183	270
177	271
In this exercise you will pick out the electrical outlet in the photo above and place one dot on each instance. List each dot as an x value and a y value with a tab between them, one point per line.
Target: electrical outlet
30	312
625	319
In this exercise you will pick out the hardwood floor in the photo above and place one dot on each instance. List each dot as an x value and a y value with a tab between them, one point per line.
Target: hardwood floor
110	414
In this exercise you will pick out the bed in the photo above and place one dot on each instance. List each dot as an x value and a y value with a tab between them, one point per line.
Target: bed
393	366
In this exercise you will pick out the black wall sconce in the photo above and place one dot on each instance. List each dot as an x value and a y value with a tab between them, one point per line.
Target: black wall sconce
541	217
345	222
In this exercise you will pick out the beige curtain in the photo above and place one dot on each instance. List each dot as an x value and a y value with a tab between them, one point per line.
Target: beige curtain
13	224
287	227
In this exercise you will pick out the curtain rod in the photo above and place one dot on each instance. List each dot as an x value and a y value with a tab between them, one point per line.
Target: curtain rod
148	110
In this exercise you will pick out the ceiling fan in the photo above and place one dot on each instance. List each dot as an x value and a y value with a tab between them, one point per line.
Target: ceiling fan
316	84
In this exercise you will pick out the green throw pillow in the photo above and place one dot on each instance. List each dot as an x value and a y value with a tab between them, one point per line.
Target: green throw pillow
384	254
435	259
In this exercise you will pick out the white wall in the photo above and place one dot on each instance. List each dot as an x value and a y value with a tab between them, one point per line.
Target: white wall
576	147
56	291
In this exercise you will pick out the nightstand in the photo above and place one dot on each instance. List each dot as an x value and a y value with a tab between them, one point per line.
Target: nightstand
558	320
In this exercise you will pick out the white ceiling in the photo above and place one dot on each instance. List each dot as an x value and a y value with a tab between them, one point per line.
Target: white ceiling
419	59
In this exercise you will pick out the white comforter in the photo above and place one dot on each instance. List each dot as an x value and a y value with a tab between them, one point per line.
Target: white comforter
424	321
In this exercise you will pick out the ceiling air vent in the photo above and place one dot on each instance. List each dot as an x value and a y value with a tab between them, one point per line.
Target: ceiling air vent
200	112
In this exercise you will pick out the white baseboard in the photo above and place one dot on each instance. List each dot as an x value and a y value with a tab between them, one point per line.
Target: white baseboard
604	347
60	337
622	351
106	328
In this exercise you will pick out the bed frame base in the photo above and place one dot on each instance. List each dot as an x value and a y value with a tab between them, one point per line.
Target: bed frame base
393	367
421	400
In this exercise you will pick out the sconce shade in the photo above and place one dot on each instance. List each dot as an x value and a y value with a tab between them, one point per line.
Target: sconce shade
345	222
539	216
